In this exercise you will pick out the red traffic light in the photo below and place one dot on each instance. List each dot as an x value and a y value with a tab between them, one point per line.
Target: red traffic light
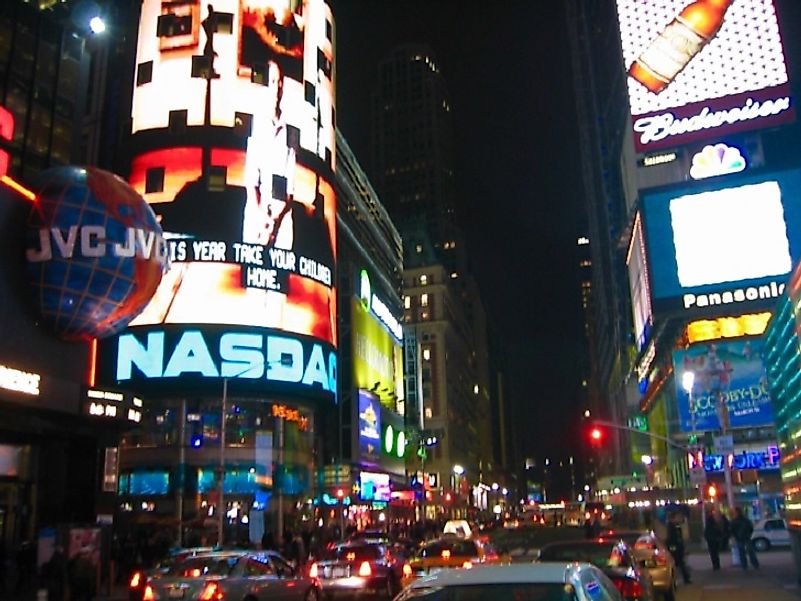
712	491
596	435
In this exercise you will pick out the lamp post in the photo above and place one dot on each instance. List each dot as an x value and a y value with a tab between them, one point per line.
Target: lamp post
285	361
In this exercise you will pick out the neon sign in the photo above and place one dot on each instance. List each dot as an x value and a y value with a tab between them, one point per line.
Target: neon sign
291	415
745	460
19	381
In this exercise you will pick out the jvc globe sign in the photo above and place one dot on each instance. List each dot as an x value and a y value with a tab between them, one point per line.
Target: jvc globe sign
95	252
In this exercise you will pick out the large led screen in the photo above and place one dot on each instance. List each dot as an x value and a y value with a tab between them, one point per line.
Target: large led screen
728	375
233	146
702	69
722	247
377	355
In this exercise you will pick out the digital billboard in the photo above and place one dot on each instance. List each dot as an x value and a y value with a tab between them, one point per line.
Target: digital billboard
369	432
725	373
723	246
374	487
702	69
377	355
639	286
233	148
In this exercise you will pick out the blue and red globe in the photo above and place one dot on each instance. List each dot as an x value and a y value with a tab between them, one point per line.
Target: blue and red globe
95	252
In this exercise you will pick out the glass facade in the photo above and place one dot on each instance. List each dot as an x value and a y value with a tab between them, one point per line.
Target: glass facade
783	364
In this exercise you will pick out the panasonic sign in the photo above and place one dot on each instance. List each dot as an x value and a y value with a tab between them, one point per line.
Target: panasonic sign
251	357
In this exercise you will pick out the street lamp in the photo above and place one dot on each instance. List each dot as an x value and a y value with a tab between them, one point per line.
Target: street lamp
458	470
256	371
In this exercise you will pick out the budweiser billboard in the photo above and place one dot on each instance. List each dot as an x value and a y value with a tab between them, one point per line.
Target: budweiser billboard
702	69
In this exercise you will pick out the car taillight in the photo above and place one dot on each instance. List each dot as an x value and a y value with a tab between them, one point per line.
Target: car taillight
136	580
365	570
629	589
314	571
211	592
660	559
407	570
148	594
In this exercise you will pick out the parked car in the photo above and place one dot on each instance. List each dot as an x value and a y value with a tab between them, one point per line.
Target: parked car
653	556
613	557
258	576
771	532
450	551
360	568
542	581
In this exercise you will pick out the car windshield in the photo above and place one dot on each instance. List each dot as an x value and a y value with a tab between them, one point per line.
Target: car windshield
552	591
603	555
455	548
198	567
354	552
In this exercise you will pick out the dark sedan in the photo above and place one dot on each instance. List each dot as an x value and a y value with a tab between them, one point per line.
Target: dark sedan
360	569
613	557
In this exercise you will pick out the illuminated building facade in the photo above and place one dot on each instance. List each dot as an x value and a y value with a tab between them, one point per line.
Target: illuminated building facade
705	155
371	439
232	144
58	435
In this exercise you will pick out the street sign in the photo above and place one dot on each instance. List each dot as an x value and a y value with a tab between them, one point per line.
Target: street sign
724	444
697	476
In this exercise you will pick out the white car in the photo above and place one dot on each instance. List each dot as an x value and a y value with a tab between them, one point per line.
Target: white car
771	532
548	580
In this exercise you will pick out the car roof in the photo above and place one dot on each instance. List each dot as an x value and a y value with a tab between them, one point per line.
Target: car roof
546	572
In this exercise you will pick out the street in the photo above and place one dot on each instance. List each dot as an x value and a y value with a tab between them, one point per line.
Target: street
776	580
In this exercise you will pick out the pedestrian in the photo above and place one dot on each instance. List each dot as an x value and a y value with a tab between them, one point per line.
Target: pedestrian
742	529
726	528
268	541
82	576
675	543
54	574
713	534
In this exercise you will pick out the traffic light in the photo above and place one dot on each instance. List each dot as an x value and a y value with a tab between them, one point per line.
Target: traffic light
596	436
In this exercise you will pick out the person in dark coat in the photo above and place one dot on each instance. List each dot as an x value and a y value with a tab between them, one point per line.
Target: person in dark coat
675	543
725	526
82	576
742	529
268	541
713	534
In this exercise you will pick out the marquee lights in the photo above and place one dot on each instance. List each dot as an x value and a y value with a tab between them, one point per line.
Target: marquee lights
19	381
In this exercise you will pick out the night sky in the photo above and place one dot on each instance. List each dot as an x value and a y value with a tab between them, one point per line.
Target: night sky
508	73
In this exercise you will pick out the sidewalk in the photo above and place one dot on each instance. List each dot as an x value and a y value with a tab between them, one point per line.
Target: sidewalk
775	580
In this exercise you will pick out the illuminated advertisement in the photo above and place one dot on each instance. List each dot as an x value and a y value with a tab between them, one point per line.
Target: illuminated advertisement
639	285
369	428
377	356
701	69
728	374
247	194
233	148
170	359
766	459
374	487
721	247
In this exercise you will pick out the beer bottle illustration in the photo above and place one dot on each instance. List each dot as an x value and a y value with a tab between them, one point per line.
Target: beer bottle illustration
680	41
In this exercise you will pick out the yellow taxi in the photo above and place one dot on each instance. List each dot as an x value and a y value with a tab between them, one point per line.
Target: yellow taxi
450	551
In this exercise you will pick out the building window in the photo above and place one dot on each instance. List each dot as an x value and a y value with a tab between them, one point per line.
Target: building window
154	180
419	248
426	354
454	275
424	300
407	302
425	315
424	280
428	413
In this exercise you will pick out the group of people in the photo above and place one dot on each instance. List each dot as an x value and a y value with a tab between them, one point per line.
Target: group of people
718	530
